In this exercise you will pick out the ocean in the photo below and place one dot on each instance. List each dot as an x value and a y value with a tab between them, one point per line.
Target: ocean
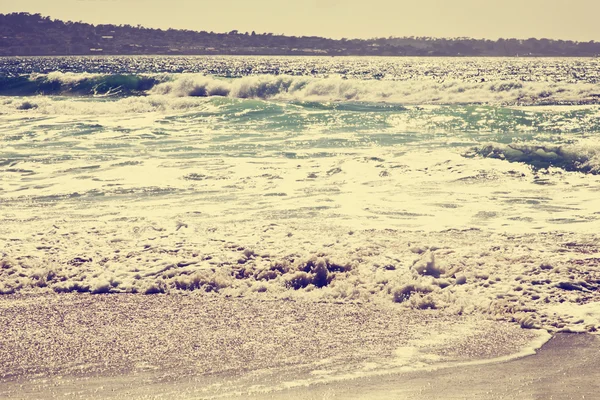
469	186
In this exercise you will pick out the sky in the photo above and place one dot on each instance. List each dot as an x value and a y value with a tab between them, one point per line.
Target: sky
490	19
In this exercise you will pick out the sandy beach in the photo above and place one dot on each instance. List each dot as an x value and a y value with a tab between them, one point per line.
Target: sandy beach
169	346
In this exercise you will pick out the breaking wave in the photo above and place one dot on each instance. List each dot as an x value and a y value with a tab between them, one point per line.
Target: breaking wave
582	157
306	88
84	84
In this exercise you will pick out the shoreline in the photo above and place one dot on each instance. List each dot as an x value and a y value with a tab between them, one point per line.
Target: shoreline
566	367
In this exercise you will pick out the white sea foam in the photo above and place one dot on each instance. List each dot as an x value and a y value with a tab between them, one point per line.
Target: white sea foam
67	78
194	86
504	276
131	105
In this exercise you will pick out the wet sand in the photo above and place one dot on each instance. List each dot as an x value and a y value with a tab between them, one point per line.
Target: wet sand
567	367
169	346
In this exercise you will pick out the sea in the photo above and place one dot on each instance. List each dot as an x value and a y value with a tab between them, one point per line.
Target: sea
469	186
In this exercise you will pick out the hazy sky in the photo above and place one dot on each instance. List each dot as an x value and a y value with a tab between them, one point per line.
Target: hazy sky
556	19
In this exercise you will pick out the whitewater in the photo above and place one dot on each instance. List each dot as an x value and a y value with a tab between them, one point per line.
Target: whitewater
467	188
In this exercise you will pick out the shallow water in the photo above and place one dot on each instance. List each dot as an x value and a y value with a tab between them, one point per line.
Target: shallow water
465	185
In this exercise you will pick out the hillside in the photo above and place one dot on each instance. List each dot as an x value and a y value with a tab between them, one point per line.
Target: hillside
23	34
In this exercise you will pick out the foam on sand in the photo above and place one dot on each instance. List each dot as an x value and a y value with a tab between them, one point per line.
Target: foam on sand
504	276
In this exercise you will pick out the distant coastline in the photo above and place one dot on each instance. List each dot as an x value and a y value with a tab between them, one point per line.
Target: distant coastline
24	34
